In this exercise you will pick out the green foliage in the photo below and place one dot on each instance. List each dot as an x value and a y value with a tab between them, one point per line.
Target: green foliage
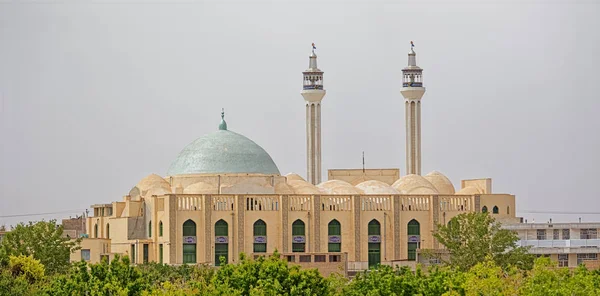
472	237
118	277
42	240
25	275
268	276
27	267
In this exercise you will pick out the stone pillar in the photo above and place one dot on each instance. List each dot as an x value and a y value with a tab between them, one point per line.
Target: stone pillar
316	223
240	225
397	237
208	237
285	235
313	142
174	243
435	203
357	228
413	136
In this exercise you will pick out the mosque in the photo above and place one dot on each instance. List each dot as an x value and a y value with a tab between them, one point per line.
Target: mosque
223	195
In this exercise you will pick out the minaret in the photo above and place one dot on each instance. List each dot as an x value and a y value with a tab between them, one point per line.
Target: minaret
313	93
413	90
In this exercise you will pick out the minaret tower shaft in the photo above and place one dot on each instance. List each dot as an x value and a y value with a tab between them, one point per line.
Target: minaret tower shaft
413	90
313	93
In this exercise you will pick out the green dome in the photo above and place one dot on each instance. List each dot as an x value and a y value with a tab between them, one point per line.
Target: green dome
223	152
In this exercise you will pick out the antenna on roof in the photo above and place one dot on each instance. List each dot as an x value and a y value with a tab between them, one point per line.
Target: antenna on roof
363	154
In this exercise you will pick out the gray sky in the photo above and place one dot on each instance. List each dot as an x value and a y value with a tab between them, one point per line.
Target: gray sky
95	95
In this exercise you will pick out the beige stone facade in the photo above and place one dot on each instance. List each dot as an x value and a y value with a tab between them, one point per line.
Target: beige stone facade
149	222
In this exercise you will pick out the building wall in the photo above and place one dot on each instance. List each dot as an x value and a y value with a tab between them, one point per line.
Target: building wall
354	212
356	176
96	247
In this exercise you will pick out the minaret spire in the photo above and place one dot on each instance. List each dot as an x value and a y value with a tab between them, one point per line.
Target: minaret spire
413	90
223	124
313	93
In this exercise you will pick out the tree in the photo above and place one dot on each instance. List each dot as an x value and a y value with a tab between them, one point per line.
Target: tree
268	276
22	276
118	277
42	240
470	238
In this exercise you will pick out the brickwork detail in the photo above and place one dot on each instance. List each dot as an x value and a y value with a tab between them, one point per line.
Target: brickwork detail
173	229
397	227
240	225
208	228
436	218
317	224
284	222
357	229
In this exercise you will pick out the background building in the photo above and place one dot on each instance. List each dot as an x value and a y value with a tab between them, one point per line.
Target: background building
571	244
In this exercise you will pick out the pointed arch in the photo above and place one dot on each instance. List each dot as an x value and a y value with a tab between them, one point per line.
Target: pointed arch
495	210
374	227
107	230
334	232
414	238
189	228
260	236
96	230
508	210
484	209
298	236
189	249
374	241
150	228
221	242
160	228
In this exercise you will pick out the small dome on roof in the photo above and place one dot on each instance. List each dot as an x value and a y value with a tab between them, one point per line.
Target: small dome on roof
303	187
376	187
414	184
338	187
440	182
283	188
201	188
469	190
294	176
151	181
157	191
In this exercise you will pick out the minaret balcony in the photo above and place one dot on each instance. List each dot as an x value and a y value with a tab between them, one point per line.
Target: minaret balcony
313	86
412	84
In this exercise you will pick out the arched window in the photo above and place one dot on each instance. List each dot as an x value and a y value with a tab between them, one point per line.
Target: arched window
414	238
150	229
96	231
160	228
374	239
453	223
221	242
189	242
334	231
495	210
107	230
484	209
507	210
260	236
298	236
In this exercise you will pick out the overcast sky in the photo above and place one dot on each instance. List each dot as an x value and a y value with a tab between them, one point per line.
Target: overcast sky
95	95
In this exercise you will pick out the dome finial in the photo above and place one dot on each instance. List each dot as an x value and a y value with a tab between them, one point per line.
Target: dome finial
223	124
